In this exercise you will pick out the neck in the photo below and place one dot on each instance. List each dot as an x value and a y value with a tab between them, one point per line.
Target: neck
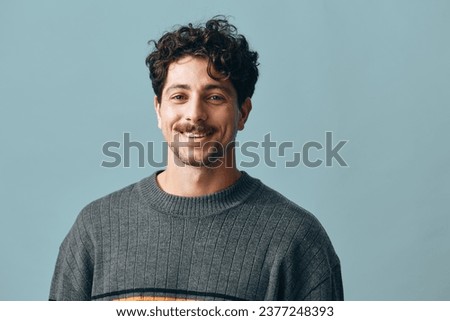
191	181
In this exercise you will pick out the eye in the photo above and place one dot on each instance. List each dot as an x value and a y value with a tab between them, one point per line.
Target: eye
216	98
178	97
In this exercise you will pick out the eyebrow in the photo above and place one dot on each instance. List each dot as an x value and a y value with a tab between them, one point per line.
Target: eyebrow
214	86
178	86
207	87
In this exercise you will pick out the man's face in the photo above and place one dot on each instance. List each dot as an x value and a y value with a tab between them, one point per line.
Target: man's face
199	116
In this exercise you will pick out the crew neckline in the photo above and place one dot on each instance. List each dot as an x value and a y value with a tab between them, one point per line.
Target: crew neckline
197	206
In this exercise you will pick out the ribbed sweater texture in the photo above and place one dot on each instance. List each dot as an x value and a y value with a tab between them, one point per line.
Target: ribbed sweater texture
247	242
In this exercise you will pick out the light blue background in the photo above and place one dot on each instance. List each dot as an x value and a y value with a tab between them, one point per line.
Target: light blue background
376	73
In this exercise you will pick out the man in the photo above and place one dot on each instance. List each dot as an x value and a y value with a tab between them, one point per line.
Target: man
201	229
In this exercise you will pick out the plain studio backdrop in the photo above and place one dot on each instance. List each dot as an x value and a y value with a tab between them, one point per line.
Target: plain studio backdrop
373	73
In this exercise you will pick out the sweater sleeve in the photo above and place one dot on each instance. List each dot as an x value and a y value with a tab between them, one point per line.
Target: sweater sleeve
320	270
330	289
72	278
310	268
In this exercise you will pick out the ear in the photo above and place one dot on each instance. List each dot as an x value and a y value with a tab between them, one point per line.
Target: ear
157	110
244	112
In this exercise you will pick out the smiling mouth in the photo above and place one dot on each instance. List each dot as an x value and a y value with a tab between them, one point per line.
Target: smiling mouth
195	135
194	131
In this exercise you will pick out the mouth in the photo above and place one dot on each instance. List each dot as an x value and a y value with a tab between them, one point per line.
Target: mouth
194	131
195	135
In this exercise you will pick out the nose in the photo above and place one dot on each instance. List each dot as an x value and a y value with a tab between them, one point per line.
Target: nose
196	110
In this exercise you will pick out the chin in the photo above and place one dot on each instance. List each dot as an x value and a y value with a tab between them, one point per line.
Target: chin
209	161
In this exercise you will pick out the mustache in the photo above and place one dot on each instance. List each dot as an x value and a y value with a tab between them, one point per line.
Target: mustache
195	128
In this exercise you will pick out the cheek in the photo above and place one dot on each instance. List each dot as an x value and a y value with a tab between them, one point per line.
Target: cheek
167	118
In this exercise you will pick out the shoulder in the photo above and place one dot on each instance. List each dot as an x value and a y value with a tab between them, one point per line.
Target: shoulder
280	204
102	211
301	230
115	200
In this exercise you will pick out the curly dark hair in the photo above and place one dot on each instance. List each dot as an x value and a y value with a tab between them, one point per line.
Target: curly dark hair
227	52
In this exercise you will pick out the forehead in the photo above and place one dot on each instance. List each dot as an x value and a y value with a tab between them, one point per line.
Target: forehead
192	73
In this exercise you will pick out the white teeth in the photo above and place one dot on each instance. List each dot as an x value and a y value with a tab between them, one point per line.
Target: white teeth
191	135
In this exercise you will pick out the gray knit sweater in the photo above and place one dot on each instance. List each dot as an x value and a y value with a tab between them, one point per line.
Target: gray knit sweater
247	242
